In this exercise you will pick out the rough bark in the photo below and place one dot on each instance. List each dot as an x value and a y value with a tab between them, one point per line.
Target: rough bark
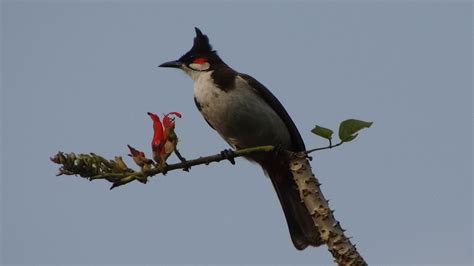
341	248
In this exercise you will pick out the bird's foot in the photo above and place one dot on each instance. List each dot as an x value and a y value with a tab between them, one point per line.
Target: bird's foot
229	155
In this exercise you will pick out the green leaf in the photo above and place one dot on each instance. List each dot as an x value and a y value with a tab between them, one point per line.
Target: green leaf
322	132
349	128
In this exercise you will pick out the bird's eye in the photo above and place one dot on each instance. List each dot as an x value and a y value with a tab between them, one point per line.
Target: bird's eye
199	60
199	64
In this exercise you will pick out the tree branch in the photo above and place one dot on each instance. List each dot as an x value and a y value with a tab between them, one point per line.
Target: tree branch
341	248
92	167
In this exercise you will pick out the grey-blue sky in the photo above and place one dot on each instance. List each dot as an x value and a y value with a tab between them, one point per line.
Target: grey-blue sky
80	76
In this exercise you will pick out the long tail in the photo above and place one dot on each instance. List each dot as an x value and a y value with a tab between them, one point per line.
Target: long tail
302	229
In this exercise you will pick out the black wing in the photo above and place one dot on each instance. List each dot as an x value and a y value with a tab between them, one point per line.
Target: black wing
298	143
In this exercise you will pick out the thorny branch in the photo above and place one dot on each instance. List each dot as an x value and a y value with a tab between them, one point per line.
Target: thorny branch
330	230
92	166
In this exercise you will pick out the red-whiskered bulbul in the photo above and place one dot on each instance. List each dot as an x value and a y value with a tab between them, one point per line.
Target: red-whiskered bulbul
246	114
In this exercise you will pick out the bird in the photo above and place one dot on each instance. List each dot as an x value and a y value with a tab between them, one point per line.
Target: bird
246	114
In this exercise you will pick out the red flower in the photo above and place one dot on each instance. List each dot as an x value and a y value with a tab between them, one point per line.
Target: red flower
158	135
169	122
164	139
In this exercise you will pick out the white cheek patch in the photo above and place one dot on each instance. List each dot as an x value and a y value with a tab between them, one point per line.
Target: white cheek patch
200	67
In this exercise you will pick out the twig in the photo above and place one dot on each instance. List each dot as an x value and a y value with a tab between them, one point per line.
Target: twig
93	167
181	158
324	148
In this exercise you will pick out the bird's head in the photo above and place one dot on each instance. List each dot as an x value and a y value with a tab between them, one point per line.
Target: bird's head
201	57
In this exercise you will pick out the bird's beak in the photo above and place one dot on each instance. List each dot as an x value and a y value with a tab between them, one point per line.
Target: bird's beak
172	64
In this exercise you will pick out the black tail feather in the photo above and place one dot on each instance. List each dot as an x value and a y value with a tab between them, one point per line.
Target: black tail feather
303	232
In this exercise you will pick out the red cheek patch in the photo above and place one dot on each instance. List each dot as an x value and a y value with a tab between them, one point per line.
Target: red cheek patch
199	61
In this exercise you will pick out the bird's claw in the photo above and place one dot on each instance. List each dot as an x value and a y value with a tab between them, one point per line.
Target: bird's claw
229	155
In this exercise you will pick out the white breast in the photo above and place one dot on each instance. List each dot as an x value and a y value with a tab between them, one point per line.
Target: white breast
239	115
205	90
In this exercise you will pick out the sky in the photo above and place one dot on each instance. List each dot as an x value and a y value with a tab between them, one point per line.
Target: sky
81	75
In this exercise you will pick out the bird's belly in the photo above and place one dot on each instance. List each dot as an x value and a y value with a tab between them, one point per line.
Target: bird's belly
242	118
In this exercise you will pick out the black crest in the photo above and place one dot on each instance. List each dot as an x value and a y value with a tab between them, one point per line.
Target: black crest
201	43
